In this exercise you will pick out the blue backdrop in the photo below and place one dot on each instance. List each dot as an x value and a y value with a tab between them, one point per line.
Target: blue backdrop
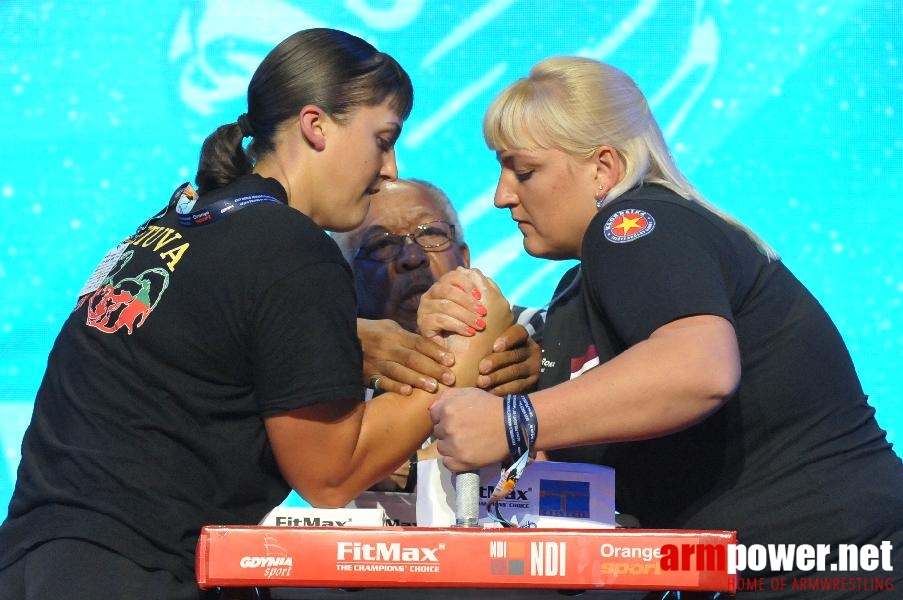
786	114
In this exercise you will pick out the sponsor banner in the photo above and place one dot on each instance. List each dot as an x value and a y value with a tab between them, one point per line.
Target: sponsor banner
283	516
549	494
458	557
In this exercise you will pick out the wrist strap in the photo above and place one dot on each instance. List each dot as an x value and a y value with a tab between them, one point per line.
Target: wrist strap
517	444
527	418
521	428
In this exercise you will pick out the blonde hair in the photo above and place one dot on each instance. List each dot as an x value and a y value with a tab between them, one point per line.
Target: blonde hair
577	104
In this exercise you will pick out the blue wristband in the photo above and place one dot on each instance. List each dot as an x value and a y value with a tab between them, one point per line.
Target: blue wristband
520	424
516	443
521	429
527	418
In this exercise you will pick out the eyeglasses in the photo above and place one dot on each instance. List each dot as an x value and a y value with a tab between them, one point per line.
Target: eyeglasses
434	236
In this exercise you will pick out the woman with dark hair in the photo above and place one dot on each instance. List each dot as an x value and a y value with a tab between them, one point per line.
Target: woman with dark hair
680	350
211	363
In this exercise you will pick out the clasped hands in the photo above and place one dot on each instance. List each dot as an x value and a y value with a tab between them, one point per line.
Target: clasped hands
403	360
457	318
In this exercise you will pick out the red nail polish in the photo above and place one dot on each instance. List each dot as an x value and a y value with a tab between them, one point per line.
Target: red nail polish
471	330
481	324
481	310
476	293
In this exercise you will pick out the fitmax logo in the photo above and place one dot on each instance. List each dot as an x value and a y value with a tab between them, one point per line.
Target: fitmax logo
383	552
518	495
309	522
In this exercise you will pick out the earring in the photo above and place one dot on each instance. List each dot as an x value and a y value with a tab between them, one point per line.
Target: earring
600	199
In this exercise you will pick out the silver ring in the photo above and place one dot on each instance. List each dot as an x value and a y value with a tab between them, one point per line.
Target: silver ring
374	381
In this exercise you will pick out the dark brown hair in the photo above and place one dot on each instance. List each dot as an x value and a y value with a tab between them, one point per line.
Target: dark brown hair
329	68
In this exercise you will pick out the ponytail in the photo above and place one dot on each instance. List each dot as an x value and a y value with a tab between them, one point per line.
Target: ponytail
223	159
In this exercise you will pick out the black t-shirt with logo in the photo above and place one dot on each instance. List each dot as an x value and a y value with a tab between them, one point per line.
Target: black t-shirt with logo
795	456
149	421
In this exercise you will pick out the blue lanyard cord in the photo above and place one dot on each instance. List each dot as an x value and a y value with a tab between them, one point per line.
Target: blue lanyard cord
517	442
222	208
520	424
527	417
521	428
184	199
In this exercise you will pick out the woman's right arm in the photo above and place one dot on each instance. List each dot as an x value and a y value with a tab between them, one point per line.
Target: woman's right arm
682	373
331	452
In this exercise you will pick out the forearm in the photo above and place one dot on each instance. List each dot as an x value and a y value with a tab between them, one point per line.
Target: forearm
404	477
377	437
664	384
390	433
390	416
332	458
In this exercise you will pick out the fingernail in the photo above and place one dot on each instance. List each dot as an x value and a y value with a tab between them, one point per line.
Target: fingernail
498	346
448	378
431	386
482	381
480	323
471	331
476	293
481	310
484	366
448	360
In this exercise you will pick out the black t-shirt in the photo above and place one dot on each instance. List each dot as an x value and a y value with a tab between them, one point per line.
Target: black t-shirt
149	421
795	456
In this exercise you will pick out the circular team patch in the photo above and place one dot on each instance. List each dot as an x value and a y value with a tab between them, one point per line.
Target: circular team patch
628	225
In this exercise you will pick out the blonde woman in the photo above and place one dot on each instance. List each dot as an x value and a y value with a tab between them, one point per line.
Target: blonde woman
681	350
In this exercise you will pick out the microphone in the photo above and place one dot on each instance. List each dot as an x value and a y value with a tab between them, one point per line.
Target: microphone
467	499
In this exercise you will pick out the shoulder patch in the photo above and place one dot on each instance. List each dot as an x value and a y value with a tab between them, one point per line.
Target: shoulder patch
627	225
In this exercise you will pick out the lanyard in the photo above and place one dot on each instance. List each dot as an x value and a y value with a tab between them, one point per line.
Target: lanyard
184	199
522	429
222	208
